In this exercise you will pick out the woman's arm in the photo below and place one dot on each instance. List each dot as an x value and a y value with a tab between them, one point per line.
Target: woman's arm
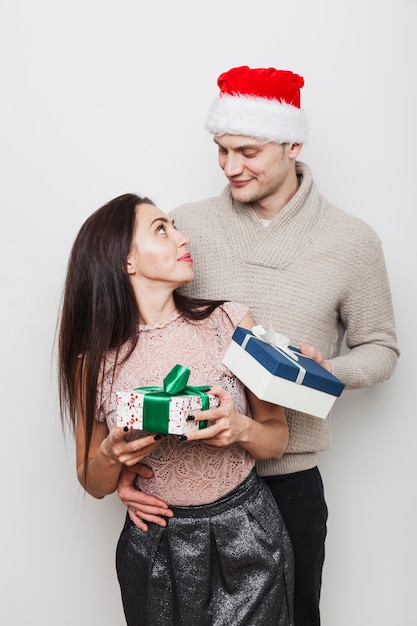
267	434
264	436
107	454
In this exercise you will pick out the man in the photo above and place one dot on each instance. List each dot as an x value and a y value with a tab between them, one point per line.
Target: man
314	272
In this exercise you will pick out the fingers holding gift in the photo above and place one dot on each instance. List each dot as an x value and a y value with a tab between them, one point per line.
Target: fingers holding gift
130	452
225	424
141	447
316	355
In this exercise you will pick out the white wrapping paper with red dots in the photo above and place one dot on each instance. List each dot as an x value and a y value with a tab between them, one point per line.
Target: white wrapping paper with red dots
130	412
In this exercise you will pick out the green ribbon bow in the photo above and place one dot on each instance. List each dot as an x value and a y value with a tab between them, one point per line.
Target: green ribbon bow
157	399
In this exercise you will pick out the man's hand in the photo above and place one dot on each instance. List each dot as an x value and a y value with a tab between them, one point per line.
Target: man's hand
316	355
141	506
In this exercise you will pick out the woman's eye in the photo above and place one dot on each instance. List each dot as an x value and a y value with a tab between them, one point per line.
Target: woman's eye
161	229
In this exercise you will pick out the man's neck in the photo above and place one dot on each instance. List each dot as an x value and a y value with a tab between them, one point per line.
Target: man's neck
269	207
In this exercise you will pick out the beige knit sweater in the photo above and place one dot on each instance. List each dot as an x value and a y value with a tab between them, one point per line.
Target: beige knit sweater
317	274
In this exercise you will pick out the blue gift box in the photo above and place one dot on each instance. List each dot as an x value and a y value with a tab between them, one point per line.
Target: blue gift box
282	375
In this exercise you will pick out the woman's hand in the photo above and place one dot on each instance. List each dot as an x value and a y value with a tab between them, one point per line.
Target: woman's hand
226	424
265	436
129	452
108	452
141	506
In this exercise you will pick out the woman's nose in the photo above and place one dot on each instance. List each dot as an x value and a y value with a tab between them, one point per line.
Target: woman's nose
183	240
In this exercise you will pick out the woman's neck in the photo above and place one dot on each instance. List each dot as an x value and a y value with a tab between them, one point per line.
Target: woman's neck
154	308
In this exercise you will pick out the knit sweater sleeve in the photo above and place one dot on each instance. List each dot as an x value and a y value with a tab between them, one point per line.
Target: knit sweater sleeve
367	315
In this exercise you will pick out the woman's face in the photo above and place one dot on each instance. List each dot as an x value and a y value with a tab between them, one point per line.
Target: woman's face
158	253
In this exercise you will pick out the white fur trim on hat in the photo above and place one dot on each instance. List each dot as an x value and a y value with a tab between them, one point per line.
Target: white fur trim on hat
265	119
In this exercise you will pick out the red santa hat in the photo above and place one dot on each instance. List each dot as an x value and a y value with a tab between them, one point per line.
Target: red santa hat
260	103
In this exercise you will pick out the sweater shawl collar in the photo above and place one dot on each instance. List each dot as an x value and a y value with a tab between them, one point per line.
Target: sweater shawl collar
290	233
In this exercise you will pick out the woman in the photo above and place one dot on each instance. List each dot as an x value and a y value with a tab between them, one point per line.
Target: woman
222	559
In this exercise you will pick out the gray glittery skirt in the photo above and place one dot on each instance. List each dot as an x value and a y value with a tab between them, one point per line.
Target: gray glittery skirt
228	563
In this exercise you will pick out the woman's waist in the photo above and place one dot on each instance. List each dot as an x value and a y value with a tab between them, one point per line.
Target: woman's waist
195	479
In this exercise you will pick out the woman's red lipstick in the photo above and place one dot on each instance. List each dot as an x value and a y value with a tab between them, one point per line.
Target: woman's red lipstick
186	257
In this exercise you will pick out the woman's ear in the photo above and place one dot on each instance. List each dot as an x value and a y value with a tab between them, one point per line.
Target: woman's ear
130	265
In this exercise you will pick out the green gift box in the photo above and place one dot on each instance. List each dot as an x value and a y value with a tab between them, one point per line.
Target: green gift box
165	409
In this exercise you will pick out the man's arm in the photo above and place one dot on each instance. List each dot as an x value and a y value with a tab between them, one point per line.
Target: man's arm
367	314
142	507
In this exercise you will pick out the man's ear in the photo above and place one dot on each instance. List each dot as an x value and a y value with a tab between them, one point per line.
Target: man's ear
295	149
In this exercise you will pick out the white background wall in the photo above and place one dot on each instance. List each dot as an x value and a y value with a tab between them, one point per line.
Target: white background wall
99	98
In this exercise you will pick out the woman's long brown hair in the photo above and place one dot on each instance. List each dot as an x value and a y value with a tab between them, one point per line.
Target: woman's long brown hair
99	312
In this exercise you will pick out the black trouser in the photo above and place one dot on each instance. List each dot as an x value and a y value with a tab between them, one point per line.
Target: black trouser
300	498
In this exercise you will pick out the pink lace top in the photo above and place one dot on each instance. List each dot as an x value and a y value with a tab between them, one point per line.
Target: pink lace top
188	472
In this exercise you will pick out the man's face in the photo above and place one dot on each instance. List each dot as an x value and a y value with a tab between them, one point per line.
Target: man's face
257	170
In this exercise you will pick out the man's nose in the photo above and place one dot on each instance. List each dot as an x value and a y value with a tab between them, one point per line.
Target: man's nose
233	164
